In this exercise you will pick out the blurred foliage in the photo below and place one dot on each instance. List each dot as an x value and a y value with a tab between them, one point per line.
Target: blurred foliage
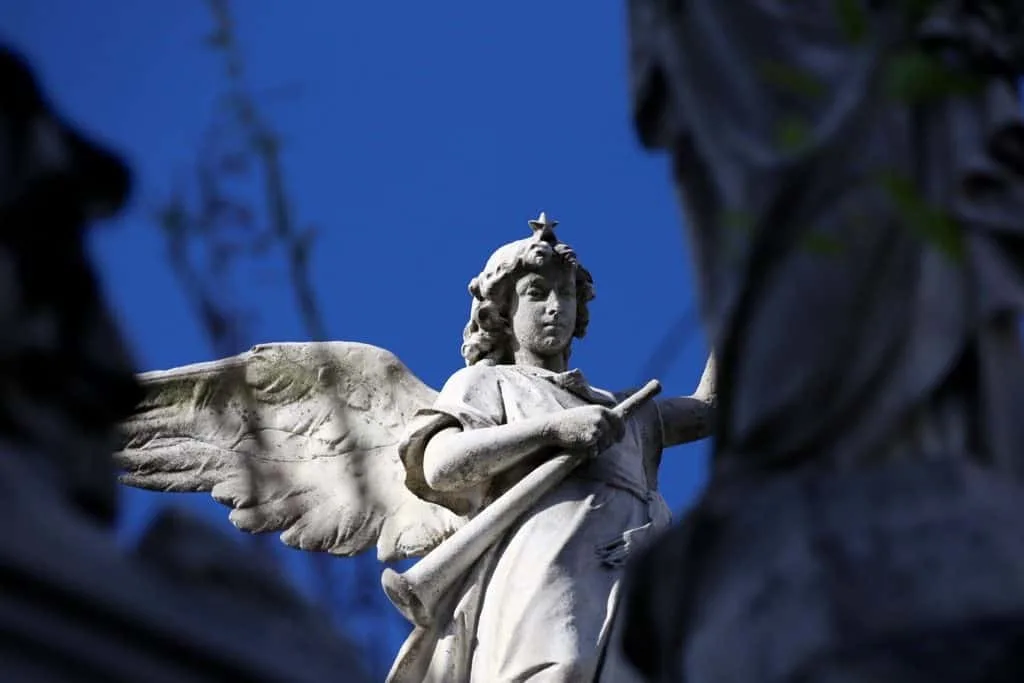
853	20
821	244
791	79
918	77
931	223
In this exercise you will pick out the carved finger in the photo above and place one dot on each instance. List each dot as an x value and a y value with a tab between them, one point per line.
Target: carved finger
607	424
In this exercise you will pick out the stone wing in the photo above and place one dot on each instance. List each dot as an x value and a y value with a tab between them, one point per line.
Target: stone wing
299	438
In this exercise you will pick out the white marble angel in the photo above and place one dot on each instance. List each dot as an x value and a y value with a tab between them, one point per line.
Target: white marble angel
339	447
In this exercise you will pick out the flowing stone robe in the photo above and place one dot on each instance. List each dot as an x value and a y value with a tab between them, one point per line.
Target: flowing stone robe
538	606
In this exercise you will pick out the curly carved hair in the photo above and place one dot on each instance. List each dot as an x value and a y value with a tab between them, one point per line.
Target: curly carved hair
488	335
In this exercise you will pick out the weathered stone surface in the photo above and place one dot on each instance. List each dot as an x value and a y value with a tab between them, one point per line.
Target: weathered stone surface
852	174
910	571
77	607
522	488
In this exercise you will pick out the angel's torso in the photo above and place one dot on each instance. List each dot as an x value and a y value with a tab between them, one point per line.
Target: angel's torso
528	392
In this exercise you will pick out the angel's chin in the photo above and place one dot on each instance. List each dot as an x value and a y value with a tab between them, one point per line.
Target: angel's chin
551	348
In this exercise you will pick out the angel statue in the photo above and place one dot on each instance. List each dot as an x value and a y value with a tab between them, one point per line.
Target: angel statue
338	447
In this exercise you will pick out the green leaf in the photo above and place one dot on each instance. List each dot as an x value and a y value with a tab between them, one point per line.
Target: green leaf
916	77
822	245
916	10
791	79
739	221
932	224
853	20
792	134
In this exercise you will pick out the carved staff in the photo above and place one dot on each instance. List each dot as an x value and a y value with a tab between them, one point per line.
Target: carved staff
417	591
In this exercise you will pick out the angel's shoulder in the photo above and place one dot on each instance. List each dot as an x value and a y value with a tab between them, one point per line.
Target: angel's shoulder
479	375
479	385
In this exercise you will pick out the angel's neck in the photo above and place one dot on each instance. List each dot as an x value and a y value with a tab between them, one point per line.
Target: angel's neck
555	363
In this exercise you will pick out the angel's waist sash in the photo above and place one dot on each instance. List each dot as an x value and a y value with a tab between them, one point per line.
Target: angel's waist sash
614	550
598	470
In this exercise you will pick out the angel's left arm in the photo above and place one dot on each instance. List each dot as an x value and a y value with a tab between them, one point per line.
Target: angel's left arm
689	418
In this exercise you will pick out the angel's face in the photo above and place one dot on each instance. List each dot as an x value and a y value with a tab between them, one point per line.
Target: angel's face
543	311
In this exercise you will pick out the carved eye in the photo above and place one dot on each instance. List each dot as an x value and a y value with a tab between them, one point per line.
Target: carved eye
535	292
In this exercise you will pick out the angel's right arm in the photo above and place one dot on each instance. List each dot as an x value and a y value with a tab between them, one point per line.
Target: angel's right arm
455	459
480	443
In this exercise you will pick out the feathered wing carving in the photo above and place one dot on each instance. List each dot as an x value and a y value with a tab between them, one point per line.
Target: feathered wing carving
300	438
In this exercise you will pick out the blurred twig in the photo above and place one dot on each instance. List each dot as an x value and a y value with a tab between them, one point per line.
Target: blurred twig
674	341
212	230
264	143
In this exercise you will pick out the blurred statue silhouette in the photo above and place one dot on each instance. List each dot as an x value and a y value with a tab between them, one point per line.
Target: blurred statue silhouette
186	604
853	180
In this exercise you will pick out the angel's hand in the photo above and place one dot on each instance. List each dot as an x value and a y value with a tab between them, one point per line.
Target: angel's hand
589	429
689	418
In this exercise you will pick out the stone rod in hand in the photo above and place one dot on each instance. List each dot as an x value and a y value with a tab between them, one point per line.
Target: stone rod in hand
417	591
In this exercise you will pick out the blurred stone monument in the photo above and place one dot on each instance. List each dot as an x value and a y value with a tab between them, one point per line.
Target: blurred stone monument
186	604
853	180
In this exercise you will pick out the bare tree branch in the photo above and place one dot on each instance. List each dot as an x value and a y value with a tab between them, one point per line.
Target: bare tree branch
211	235
679	335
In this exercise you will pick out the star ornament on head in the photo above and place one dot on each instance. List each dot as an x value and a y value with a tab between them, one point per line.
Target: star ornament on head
543	228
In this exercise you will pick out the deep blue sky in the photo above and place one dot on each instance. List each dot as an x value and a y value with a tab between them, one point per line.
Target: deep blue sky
424	136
